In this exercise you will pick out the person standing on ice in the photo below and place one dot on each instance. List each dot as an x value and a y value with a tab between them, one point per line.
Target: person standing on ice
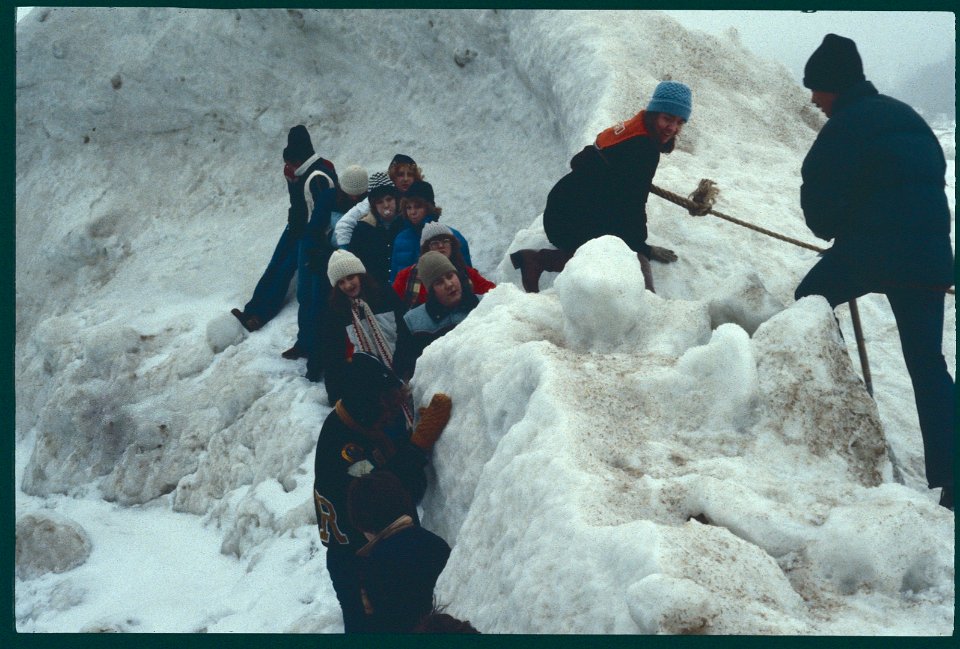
607	187
873	181
312	185
352	443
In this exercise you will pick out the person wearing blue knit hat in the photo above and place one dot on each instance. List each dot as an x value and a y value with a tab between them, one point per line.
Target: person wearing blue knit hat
606	190
672	98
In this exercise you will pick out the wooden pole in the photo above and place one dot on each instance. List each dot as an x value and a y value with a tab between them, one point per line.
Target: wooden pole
861	345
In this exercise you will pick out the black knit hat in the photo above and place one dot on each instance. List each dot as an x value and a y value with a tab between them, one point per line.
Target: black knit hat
366	379
420	189
402	159
299	147
834	66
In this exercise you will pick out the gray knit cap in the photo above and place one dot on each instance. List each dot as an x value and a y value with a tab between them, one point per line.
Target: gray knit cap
354	180
434	229
432	266
343	264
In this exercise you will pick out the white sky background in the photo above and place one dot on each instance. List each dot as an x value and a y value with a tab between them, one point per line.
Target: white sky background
892	44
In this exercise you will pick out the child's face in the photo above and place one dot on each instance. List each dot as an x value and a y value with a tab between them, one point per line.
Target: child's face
403	177
442	244
447	289
386	207
416	212
668	126
350	285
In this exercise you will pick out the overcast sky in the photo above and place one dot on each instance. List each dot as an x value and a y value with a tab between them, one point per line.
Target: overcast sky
892	44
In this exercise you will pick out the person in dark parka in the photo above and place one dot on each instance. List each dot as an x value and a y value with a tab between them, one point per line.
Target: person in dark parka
400	564
360	316
352	443
873	181
313	186
373	237
606	191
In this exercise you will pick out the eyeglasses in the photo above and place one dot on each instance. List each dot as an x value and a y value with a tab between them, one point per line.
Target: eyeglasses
440	242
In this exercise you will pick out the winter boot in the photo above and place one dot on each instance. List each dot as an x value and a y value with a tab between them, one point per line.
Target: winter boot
946	496
250	322
647	272
294	353
532	263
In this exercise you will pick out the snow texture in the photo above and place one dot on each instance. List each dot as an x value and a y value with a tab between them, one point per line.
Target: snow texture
700	460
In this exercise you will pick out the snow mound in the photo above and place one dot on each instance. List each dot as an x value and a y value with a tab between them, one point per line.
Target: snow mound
758	439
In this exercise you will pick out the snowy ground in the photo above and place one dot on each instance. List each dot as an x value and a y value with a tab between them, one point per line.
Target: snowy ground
703	460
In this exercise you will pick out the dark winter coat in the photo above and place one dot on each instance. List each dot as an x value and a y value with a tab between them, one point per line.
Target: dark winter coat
426	323
406	247
372	243
323	195
873	182
340	339
399	570
605	192
346	450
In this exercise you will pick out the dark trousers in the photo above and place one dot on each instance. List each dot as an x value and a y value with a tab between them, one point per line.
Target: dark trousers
313	293
271	290
919	316
344	569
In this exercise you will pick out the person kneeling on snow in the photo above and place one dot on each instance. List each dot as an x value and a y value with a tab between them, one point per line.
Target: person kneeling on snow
400	565
353	443
448	304
606	190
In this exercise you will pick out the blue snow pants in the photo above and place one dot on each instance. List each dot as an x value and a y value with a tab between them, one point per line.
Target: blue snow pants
271	290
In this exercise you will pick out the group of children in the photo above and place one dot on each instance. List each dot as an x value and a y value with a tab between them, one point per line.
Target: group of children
379	279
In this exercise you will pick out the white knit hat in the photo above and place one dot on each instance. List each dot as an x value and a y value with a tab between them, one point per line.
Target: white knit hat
354	180
434	229
343	264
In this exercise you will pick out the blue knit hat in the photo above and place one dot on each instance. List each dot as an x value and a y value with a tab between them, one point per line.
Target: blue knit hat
671	97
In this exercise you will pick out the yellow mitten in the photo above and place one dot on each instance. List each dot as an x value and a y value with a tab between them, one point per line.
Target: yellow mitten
432	420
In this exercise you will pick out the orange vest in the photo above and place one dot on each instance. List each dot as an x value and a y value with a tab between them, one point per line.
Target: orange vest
633	127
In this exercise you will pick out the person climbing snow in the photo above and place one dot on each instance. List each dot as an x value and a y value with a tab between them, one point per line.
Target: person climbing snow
606	191
873	181
352	443
311	183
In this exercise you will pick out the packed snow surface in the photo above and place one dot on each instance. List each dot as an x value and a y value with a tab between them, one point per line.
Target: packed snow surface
700	460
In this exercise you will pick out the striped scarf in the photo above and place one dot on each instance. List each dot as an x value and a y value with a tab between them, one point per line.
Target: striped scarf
359	310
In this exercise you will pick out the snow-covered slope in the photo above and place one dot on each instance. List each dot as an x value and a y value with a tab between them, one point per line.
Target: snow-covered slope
700	460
